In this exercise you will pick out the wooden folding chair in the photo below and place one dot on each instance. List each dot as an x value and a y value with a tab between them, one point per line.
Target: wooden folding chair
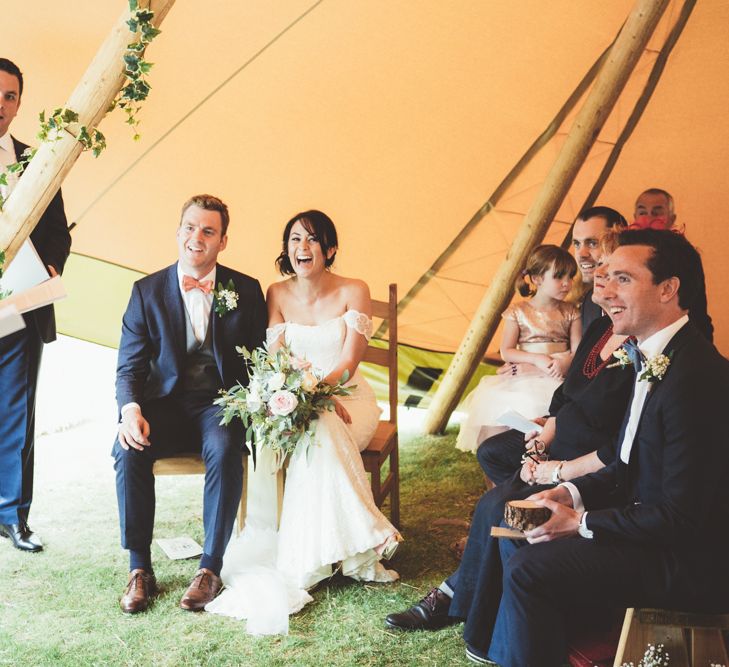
688	638
192	464
384	444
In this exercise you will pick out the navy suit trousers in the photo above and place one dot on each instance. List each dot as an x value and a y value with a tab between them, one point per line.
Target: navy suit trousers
187	423
500	455
20	355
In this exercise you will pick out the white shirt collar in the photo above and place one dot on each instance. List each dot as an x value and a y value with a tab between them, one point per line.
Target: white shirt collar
6	142
181	273
656	343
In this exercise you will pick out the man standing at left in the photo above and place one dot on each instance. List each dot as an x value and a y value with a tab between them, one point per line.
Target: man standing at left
20	353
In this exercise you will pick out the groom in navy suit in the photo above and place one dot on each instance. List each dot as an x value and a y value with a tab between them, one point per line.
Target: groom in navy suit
177	350
648	530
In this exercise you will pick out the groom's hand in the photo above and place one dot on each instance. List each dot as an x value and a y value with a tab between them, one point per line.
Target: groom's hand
134	430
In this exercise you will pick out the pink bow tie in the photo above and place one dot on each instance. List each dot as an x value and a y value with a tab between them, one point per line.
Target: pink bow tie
205	286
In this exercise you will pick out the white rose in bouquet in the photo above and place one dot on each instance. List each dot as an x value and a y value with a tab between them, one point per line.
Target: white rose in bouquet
276	381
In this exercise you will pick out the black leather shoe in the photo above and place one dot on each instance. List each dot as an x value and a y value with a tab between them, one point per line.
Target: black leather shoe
430	613
21	536
477	657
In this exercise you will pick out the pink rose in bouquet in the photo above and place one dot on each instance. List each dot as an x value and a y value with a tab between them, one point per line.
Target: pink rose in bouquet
282	403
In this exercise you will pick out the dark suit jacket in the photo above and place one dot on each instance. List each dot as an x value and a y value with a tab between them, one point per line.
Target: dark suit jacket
153	341
52	240
672	494
589	311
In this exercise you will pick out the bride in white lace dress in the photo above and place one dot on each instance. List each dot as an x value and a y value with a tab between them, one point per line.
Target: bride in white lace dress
329	518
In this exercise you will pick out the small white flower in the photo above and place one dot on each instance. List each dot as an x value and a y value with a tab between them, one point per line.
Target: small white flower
655	368
225	298
230	298
254	401
276	381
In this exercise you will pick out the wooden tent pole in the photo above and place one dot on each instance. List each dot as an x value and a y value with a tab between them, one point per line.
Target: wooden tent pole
91	100
615	72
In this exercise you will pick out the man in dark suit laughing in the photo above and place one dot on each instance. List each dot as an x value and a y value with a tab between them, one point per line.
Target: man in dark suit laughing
177	350
648	530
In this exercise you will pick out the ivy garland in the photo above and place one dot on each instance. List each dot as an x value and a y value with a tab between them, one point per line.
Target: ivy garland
129	98
3	293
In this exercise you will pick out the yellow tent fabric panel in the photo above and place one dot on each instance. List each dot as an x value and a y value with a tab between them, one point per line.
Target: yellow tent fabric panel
98	293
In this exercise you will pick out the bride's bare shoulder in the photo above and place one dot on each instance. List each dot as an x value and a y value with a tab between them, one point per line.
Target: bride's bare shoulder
278	290
356	293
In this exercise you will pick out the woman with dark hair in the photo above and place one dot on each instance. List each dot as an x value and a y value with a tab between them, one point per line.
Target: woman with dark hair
329	519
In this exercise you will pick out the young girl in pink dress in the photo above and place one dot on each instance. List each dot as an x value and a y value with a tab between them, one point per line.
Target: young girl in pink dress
541	334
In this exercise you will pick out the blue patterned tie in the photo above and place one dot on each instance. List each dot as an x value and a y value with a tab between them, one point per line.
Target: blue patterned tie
634	354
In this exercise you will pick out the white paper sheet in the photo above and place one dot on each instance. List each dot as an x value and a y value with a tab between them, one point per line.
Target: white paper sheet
25	271
178	548
513	419
10	320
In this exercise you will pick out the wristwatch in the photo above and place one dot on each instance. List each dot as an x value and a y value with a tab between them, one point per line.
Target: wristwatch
556	473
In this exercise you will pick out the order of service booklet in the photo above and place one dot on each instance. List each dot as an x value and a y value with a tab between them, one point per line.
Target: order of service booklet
513	419
29	283
178	548
10	319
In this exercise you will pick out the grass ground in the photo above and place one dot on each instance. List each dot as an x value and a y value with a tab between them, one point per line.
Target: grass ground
60	607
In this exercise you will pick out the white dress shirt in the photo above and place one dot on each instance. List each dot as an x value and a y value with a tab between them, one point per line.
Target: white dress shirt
198	307
650	347
197	304
7	157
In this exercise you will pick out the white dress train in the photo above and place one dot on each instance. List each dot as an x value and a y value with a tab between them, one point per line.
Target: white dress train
329	518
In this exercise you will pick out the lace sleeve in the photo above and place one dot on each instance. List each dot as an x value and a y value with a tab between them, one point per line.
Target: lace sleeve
359	322
274	333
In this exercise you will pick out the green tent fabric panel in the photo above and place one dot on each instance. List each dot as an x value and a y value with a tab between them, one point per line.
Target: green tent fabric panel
419	374
98	293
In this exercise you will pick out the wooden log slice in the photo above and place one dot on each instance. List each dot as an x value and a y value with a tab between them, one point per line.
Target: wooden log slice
525	514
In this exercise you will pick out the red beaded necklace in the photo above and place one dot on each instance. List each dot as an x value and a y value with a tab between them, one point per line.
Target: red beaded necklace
591	367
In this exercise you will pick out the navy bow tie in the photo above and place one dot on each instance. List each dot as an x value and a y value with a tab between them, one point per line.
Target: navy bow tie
634	354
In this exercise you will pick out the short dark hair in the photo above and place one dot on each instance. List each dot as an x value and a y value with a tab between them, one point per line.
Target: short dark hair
320	226
610	215
209	203
672	256
11	68
658	191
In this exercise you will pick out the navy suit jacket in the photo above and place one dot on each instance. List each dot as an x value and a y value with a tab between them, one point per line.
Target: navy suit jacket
153	340
52	241
672	493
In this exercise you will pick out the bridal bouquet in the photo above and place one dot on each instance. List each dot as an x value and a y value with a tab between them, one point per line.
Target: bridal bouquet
283	398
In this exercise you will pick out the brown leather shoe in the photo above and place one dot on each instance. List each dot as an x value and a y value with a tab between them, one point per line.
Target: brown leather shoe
204	587
141	587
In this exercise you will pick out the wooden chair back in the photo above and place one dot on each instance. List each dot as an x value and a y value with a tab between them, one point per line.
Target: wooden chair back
387	357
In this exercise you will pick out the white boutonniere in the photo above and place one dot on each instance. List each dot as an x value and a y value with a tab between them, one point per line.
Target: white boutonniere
651	370
623	360
655	368
225	298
